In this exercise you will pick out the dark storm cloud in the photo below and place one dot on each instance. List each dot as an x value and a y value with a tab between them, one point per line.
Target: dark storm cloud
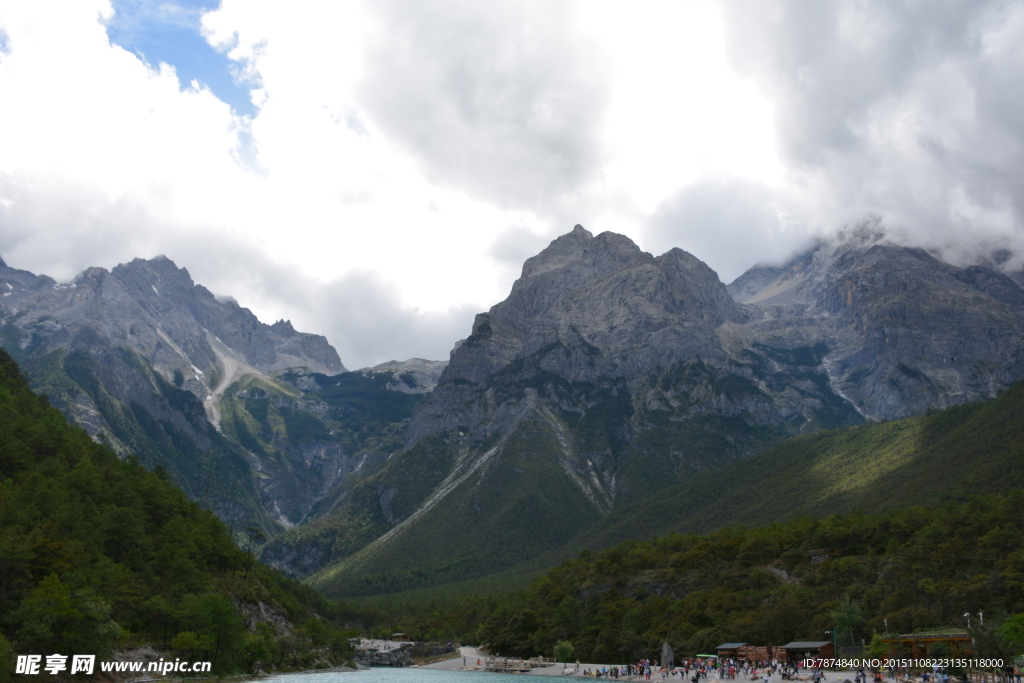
911	110
501	99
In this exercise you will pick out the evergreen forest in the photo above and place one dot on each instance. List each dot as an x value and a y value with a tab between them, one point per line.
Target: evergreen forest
97	554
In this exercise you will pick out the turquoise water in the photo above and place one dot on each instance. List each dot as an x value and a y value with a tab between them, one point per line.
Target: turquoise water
396	675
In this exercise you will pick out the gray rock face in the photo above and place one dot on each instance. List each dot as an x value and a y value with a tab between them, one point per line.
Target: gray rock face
890	323
654	344
154	308
141	356
181	307
905	332
753	282
600	293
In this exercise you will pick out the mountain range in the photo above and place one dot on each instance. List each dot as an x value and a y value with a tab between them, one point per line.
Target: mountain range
608	377
609	374
258	422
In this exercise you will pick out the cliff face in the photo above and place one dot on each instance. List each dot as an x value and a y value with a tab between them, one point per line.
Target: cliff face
617	373
600	294
157	367
904	331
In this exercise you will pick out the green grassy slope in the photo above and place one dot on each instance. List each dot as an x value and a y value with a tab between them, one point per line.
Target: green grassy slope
521	503
970	449
949	455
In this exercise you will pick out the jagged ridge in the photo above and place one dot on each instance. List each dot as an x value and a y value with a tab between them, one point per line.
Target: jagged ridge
631	372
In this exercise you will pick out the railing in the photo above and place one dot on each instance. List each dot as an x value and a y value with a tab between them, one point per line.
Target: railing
516	665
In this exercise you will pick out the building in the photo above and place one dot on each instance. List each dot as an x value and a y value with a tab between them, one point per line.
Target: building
400	637
749	653
729	650
916	645
809	649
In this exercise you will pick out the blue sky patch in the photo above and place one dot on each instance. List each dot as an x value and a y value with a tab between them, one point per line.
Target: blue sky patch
170	32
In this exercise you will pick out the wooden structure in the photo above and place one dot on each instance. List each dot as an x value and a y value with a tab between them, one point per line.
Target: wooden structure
510	665
745	652
915	645
400	637
759	653
729	650
807	649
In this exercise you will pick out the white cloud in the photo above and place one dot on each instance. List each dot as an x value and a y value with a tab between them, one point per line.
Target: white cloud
729	223
502	99
905	110
404	156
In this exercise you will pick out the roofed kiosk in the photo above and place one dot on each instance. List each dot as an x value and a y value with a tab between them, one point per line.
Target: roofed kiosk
800	649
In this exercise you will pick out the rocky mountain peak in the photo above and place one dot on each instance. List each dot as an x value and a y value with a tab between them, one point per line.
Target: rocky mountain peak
605	298
156	277
702	291
284	328
154	308
578	255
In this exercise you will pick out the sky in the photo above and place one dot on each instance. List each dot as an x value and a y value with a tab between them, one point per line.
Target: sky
377	172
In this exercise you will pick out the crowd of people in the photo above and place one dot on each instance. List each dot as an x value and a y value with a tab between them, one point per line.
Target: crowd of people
694	669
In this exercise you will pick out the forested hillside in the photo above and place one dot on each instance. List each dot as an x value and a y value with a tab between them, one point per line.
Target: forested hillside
96	553
918	568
